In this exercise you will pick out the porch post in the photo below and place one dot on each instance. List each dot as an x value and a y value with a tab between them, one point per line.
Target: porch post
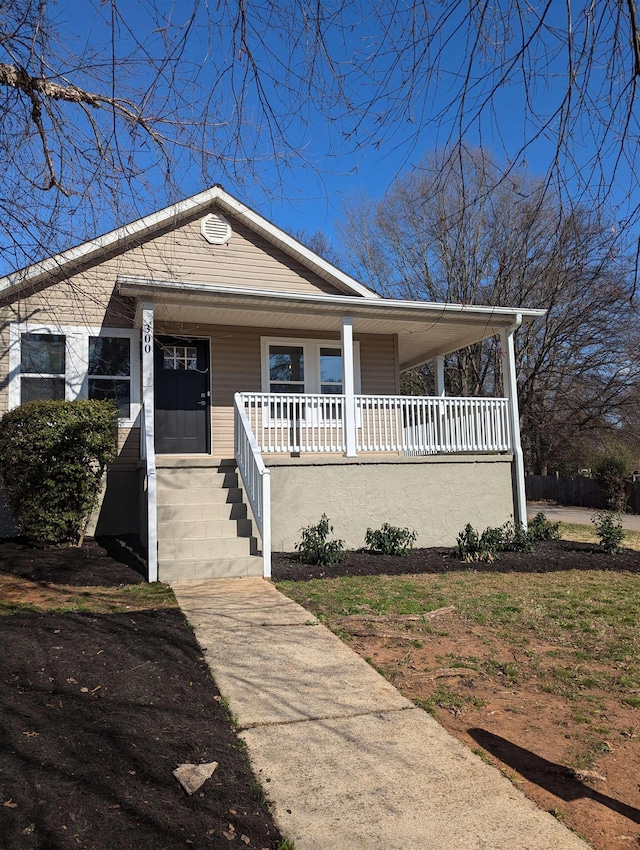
509	380
439	375
148	439
348	386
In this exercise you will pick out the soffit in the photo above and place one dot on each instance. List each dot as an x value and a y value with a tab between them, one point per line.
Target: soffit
423	330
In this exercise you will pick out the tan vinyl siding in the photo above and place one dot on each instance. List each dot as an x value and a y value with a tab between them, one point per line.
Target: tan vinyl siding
246	260
236	367
183	255
88	297
4	364
378	365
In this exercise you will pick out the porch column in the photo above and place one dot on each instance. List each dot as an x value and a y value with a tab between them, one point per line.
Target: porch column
348	386
438	364
147	439
509	380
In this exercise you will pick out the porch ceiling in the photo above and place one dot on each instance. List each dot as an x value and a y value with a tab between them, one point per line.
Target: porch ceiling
424	329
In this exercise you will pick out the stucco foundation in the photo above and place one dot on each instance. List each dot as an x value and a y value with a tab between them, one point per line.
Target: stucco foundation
436	496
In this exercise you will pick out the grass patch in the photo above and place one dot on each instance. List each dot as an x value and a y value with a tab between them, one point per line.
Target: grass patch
587	534
19	595
587	619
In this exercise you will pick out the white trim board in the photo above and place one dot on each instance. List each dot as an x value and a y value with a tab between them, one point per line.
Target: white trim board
77	361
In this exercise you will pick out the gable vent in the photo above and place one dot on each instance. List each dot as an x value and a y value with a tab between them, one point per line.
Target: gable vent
215	229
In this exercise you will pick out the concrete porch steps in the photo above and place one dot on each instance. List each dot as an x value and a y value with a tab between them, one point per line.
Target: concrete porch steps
203	528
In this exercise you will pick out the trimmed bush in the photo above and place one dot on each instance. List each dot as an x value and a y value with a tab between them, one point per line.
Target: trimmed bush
52	456
472	546
541	529
314	548
610	531
390	540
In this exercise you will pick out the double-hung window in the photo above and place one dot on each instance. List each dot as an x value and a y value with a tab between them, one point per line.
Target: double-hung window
70	362
42	366
308	366
286	368
109	372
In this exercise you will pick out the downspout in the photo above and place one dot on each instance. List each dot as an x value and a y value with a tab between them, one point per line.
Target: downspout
510	381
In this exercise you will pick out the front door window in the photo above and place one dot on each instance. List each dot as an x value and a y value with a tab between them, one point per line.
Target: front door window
180	357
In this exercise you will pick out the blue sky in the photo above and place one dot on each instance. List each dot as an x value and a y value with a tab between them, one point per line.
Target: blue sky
308	195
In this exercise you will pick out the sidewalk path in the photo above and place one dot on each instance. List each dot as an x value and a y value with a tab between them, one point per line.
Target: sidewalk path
347	762
581	516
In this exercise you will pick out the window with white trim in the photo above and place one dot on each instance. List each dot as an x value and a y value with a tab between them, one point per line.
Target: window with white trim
286	369
310	366
42	366
109	371
70	362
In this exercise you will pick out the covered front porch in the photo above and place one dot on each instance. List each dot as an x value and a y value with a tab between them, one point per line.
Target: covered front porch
269	349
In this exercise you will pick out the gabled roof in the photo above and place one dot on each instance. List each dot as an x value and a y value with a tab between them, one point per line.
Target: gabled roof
66	261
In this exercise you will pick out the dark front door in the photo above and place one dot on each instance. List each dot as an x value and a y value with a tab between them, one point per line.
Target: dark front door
182	395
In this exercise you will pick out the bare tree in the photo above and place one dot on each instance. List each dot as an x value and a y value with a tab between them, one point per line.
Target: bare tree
457	230
91	123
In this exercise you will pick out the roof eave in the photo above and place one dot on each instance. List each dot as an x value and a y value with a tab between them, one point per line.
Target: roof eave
143	287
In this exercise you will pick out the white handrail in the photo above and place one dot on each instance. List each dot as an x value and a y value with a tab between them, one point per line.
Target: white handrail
255	477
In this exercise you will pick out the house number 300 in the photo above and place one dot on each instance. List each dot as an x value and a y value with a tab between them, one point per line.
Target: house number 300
147	339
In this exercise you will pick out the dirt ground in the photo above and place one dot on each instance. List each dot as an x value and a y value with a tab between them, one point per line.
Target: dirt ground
97	709
536	738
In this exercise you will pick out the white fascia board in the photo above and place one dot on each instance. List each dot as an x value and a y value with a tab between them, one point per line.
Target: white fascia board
127	285
156	220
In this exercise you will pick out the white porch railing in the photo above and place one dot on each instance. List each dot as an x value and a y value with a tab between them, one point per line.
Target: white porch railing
292	422
410	424
425	425
255	477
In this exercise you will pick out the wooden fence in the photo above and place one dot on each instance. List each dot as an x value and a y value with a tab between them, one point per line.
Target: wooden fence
579	491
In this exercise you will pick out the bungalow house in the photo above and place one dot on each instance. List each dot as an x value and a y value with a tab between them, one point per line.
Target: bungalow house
258	388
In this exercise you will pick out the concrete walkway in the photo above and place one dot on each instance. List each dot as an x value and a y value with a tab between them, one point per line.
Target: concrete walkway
347	762
580	516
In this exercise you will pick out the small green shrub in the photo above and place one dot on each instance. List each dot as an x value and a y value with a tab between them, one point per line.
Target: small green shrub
390	540
52	456
493	539
314	548
471	547
541	529
609	530
517	538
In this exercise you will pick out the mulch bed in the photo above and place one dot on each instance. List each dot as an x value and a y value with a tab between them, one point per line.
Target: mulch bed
96	710
549	557
106	562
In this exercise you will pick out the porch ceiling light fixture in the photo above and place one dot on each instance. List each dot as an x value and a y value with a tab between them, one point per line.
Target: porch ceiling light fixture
215	229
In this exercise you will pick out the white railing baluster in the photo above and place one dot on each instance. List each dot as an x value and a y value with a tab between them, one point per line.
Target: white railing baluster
293	423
